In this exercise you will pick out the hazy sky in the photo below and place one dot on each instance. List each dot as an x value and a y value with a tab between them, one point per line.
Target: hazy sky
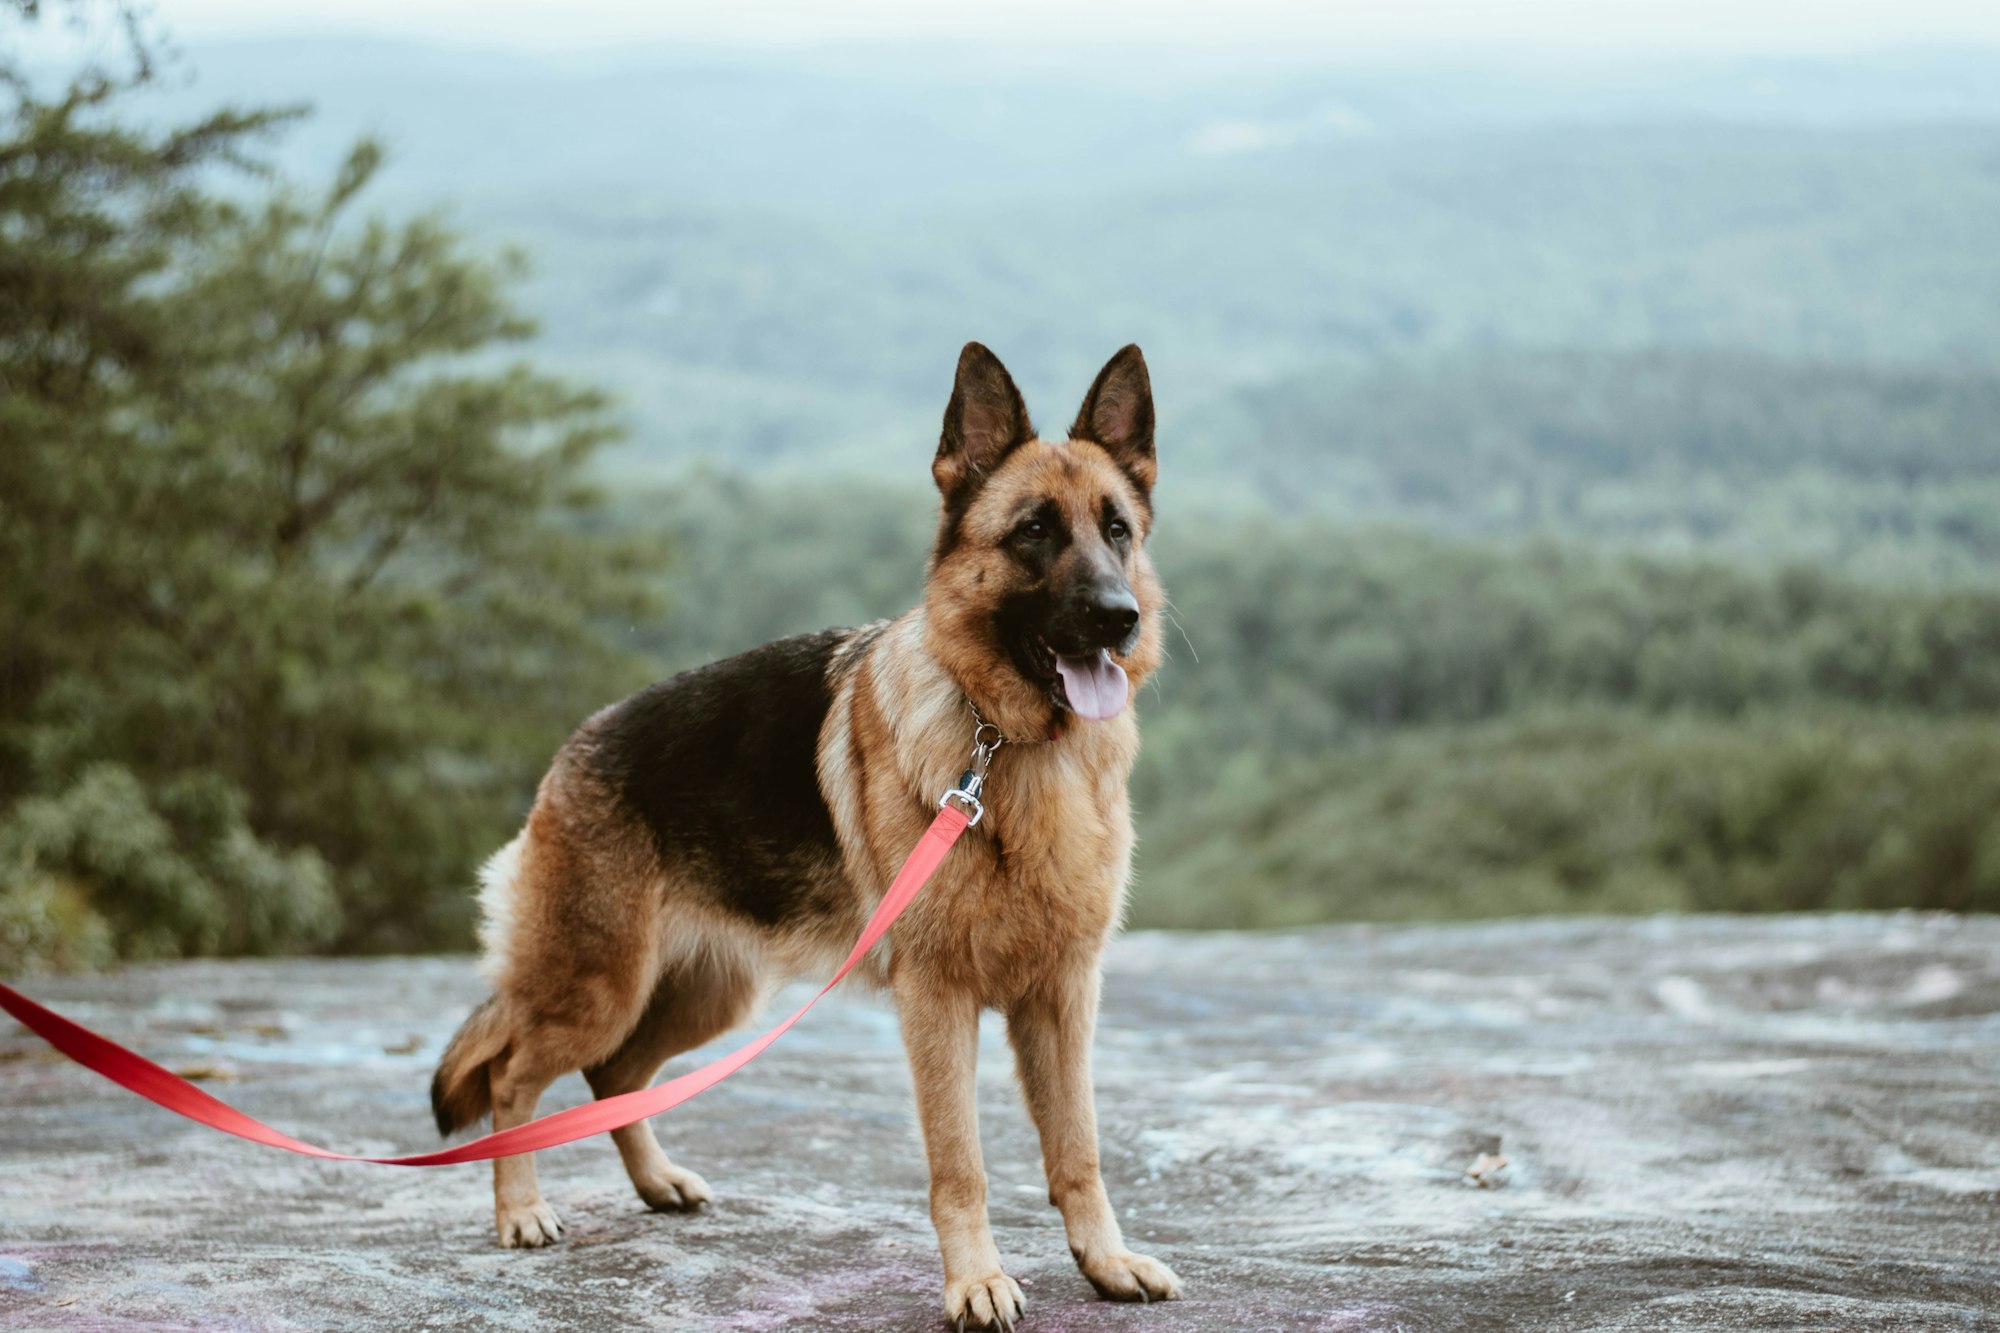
1684	25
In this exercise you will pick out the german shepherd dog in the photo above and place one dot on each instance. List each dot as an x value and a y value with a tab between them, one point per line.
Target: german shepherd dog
734	827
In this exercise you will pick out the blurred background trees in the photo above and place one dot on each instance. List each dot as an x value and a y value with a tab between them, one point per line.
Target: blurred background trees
1579	493
295	598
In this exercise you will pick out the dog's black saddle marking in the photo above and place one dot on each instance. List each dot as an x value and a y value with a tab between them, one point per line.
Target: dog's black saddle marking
720	764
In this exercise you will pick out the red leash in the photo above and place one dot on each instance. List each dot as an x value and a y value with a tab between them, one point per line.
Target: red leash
135	1072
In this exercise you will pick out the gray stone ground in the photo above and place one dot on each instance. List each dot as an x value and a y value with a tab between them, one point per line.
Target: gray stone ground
1709	1123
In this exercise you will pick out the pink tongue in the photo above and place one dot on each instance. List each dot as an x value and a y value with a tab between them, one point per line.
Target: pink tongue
1095	685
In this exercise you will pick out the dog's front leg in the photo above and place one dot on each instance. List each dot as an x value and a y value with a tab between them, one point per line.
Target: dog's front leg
941	1033
1051	1030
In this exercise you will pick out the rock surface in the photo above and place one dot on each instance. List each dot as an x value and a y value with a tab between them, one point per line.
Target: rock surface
1775	1123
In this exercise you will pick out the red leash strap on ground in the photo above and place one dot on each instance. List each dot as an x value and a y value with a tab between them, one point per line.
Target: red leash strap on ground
140	1075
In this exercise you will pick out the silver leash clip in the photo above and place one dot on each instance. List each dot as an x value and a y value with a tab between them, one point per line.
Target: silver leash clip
986	742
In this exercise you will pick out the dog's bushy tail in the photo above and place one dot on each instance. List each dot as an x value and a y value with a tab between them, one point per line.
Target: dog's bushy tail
460	1090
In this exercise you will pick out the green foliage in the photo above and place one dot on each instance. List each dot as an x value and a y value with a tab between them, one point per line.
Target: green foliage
1595	811
1308	633
300	603
169	870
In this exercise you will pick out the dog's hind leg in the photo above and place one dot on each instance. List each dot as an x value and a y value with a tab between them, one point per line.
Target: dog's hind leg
578	1035
694	1001
573	946
518	1076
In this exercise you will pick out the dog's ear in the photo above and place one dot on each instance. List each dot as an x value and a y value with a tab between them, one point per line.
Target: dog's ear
1117	415
984	422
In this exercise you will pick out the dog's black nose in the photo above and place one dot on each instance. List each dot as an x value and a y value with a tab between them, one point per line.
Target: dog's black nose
1113	615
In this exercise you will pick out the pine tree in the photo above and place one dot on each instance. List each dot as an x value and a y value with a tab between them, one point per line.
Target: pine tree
295	565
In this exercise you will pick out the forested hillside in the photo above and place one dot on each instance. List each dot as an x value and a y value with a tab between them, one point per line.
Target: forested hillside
772	259
1580	486
1742	308
1888	471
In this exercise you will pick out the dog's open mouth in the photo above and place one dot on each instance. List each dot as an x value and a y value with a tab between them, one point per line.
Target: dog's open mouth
1090	684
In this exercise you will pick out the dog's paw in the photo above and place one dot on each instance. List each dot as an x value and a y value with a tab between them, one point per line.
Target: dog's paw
993	1301
1125	1276
673	1189
528	1227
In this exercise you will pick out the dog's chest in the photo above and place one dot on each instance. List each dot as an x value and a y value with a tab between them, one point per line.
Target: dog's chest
1045	874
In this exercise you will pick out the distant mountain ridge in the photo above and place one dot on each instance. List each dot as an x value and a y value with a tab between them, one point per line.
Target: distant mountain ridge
772	258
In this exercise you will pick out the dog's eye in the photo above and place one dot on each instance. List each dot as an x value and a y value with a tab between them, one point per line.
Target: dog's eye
1034	529
1117	530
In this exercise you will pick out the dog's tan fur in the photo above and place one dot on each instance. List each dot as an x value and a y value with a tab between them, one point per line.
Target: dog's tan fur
605	958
